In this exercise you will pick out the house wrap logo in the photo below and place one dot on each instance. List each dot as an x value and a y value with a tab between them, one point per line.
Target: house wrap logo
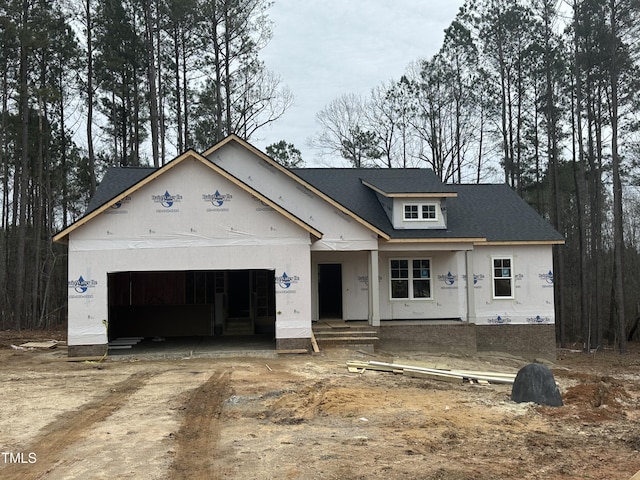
448	279
82	286
117	207
217	199
167	200
546	277
286	281
499	320
538	320
477	277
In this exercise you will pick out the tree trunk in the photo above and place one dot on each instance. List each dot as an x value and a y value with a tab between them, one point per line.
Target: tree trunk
90	150
23	179
580	187
618	239
178	95
151	79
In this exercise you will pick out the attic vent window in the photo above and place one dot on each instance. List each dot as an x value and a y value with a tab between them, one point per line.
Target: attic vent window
420	211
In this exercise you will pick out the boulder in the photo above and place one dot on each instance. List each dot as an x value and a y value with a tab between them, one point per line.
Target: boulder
535	383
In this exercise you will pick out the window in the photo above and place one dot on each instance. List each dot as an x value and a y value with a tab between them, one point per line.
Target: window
411	212
502	278
420	211
411	278
429	212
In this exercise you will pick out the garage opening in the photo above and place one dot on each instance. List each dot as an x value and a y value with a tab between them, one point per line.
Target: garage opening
191	303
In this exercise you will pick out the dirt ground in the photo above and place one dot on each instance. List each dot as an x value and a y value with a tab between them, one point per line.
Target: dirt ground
306	417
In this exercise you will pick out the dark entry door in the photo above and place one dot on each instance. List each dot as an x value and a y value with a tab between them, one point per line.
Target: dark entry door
330	290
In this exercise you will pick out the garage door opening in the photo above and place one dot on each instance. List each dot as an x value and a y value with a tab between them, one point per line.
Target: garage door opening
191	303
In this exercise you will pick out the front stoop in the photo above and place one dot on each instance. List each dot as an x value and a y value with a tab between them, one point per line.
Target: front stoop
338	333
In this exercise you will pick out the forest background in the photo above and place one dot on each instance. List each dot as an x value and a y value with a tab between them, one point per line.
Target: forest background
541	94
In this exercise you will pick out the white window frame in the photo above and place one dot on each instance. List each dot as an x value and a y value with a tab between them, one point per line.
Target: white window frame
411	278
420	212
510	277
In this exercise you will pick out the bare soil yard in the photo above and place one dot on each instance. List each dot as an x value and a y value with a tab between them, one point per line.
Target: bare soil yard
307	417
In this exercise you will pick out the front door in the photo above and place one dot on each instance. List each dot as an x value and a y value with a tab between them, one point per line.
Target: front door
330	290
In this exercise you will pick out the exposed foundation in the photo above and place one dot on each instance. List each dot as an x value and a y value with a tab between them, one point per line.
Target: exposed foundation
527	341
86	350
293	343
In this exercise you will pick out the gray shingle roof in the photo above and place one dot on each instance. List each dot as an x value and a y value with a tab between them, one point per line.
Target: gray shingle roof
115	181
497	213
407	180
493	212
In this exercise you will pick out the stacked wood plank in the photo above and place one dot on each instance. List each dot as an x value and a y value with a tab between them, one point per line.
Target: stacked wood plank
447	375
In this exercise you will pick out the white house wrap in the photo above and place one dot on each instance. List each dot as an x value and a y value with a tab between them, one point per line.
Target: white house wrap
229	242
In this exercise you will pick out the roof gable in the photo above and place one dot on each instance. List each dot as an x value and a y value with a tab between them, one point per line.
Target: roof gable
122	182
293	174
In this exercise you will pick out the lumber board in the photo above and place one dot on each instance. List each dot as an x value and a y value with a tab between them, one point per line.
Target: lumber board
353	339
330	333
484	373
293	350
491	377
445	377
45	344
367	366
314	343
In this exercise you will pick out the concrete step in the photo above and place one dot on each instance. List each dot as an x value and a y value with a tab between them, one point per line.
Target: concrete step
238	327
341	333
347	340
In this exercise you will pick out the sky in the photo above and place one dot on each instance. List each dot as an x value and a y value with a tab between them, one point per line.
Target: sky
322	49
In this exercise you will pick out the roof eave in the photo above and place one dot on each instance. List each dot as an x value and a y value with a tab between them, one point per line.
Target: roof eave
474	240
409	194
524	242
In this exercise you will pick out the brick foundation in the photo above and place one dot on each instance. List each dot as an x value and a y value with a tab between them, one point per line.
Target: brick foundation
86	350
293	343
528	341
458	338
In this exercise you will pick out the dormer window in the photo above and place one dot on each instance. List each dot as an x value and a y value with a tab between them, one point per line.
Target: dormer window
420	211
429	211
411	212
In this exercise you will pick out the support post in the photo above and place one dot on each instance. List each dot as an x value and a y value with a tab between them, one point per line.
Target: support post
471	301
374	289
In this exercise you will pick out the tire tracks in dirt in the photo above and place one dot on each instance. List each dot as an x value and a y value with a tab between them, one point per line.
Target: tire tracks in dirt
197	438
70	428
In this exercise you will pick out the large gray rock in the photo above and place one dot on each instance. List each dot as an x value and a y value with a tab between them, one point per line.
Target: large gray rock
535	383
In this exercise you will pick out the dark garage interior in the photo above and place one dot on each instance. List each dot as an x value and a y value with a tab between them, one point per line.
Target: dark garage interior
191	303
